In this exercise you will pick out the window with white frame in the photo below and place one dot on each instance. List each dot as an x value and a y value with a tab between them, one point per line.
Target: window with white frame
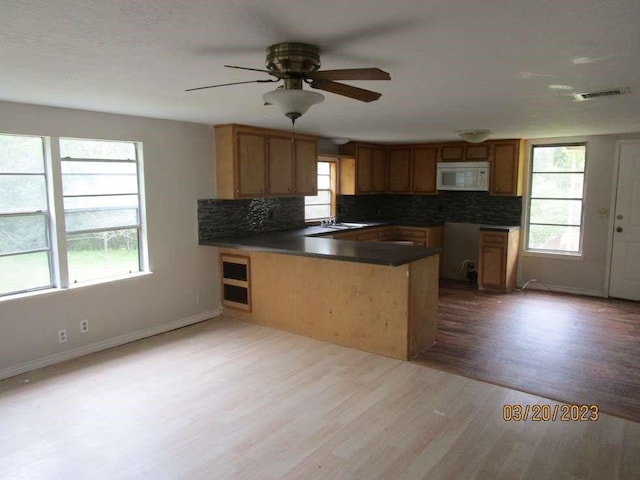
94	211
322	205
25	240
101	208
555	203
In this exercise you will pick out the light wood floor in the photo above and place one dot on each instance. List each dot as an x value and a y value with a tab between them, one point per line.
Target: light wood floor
229	400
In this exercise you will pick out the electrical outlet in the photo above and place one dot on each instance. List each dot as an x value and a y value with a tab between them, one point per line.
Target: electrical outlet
84	326
62	335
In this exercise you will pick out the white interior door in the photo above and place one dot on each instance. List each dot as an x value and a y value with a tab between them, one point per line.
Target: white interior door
624	280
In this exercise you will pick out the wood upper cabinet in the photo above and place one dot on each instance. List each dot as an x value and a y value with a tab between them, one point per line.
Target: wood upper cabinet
497	260
465	152
364	169
452	153
251	175
364	173
371	168
477	153
424	160
280	166
400	170
507	168
379	170
306	167
253	162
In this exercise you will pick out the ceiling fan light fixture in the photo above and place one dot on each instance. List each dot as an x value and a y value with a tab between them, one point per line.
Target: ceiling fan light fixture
292	102
474	136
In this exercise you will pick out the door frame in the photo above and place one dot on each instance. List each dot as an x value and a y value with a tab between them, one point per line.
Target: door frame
612	209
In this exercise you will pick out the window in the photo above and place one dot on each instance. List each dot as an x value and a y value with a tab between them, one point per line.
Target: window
70	218
101	208
555	199
322	205
25	247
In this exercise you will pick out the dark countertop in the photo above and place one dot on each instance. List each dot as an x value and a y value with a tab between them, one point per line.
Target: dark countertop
301	242
499	228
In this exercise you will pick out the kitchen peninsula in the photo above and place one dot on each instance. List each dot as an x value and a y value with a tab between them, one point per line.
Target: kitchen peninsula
377	297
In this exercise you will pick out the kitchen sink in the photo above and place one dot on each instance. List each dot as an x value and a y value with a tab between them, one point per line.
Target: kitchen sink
339	226
354	225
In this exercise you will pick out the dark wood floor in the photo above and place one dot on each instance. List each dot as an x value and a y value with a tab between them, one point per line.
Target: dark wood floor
573	349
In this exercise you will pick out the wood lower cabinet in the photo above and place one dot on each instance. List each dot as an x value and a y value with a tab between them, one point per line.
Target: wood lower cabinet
498	259
423	236
236	281
388	310
253	162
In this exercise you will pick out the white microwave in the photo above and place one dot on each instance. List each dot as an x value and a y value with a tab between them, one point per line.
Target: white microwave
463	176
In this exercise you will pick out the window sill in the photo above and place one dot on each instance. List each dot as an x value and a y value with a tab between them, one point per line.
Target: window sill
116	278
55	290
553	255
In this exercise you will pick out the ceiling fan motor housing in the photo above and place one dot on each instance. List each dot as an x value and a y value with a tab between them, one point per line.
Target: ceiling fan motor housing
293	60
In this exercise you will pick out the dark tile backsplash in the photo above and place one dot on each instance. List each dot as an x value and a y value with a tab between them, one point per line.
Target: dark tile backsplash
463	207
221	218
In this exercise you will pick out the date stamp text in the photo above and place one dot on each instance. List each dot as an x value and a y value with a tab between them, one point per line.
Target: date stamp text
516	412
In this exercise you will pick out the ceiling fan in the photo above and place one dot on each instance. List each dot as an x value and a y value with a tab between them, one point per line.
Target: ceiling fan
299	63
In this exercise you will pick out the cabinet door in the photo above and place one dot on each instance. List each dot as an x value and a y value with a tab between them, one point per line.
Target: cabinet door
364	161
280	180
452	153
252	165
477	152
492	267
424	169
379	167
492	274
504	170
306	155
400	170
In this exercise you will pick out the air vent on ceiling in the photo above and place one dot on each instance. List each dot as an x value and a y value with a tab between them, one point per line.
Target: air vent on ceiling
581	97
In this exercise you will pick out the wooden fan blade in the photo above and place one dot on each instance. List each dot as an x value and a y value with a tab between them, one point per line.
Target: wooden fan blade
346	90
227	84
351	74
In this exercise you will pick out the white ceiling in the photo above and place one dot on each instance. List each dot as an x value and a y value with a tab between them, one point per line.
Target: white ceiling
454	64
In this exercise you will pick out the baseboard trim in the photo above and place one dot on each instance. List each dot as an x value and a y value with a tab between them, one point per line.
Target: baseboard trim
545	287
110	343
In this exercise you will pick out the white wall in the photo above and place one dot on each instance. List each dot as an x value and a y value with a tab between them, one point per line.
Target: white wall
584	275
183	286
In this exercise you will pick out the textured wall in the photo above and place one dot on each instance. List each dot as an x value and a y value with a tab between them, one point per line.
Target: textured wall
220	218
